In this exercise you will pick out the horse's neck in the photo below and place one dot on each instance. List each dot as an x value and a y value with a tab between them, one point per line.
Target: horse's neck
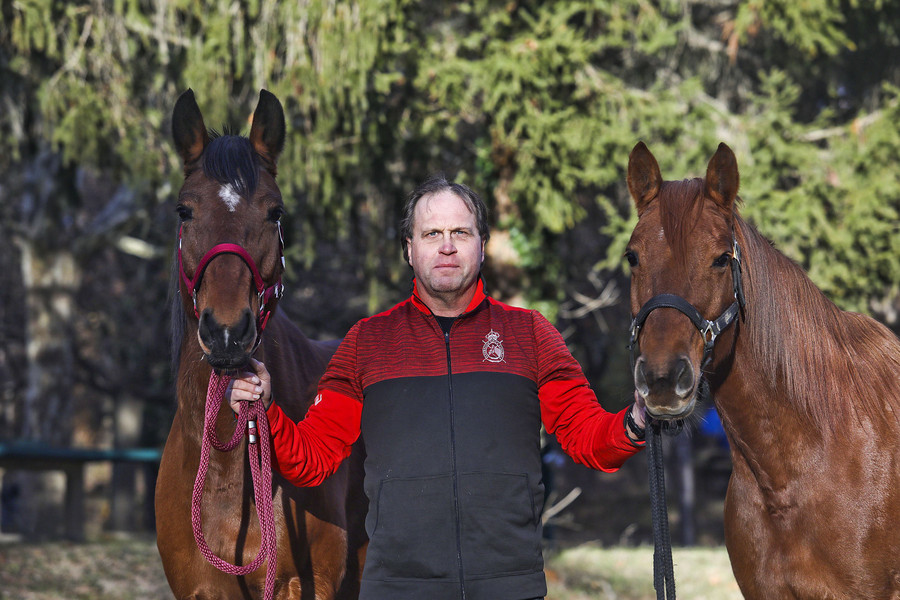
764	396
192	385
799	371
294	362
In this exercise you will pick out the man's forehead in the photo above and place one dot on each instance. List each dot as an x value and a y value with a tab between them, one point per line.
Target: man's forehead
444	207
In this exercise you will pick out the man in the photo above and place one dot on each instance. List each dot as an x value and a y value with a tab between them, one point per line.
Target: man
449	389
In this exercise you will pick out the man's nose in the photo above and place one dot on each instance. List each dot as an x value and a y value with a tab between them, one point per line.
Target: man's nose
448	247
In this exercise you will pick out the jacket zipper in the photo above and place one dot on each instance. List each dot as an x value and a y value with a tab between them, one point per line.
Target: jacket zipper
453	473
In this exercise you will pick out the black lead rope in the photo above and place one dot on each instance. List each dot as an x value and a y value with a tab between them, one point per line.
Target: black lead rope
663	569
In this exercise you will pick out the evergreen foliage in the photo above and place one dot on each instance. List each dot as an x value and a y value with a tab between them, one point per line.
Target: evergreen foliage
534	103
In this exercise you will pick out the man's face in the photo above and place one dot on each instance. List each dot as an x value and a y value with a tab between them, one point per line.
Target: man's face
445	250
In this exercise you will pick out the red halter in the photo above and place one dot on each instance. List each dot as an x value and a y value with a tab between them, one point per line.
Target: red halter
265	293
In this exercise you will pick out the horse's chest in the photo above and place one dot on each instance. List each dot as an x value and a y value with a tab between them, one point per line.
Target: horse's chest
787	543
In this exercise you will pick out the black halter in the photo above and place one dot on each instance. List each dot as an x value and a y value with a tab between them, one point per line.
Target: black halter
710	330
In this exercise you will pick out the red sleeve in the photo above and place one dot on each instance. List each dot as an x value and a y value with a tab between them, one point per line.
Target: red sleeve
570	410
307	452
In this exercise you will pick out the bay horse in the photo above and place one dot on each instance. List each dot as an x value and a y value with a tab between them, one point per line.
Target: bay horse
809	395
228	280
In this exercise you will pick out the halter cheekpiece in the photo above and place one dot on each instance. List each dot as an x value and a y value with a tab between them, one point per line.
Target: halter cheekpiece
265	293
710	330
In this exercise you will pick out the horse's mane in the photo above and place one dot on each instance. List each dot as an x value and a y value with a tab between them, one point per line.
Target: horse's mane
834	364
177	317
831	364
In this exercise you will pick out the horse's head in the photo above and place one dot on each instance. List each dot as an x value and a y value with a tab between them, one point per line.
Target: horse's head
685	276
230	244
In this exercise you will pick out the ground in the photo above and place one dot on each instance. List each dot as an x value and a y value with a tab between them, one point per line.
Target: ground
129	569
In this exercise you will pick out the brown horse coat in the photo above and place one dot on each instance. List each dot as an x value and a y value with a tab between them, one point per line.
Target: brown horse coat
230	196
809	395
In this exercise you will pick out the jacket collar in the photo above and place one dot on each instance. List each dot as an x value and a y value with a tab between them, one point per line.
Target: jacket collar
477	299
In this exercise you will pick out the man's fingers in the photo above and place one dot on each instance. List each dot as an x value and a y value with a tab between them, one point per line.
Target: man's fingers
260	369
243	389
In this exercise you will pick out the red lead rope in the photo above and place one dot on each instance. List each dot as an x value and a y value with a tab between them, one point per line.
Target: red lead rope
260	469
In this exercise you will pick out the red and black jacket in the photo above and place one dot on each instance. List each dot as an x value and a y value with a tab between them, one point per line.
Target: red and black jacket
451	424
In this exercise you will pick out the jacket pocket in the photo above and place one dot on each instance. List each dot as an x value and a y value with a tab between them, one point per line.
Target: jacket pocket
414	535
500	527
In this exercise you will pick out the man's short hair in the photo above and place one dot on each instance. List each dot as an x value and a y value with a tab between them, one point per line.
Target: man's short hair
433	185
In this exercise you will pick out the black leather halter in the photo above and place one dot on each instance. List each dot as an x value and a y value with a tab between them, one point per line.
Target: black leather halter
710	330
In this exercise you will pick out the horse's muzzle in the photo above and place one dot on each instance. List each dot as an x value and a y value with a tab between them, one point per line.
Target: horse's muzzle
668	389
227	347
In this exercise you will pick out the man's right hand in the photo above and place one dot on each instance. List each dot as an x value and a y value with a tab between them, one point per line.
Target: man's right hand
250	387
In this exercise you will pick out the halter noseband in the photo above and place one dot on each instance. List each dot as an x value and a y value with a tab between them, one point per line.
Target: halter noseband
264	293
710	330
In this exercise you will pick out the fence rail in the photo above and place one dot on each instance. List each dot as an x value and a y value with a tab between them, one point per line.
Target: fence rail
37	456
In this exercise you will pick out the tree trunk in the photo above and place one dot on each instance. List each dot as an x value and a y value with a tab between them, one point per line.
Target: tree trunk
50	282
50	276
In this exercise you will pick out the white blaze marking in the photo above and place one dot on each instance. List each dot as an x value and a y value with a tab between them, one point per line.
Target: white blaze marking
229	197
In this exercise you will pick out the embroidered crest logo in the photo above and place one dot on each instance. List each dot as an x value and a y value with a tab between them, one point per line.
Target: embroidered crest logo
493	347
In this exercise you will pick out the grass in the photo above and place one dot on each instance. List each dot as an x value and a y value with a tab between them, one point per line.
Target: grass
589	572
129	569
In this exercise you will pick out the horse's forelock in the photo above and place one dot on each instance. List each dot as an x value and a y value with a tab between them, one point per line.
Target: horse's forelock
231	160
680	204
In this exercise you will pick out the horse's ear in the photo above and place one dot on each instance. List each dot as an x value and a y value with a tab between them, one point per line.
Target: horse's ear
644	178
188	130
722	179
267	131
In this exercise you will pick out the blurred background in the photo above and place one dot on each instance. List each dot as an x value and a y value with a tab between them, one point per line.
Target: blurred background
535	104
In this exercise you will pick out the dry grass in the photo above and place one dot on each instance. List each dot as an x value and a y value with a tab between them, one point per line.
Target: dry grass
589	572
129	569
120	569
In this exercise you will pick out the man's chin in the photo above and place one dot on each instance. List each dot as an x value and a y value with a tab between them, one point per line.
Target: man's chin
451	286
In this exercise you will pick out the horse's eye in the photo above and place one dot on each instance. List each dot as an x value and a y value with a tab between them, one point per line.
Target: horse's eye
184	213
631	257
722	261
275	214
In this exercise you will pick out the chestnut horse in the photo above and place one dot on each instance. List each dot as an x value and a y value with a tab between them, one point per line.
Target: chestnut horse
228	275
809	395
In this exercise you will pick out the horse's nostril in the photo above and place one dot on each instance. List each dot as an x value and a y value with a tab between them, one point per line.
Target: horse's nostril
207	327
684	381
244	331
640	378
